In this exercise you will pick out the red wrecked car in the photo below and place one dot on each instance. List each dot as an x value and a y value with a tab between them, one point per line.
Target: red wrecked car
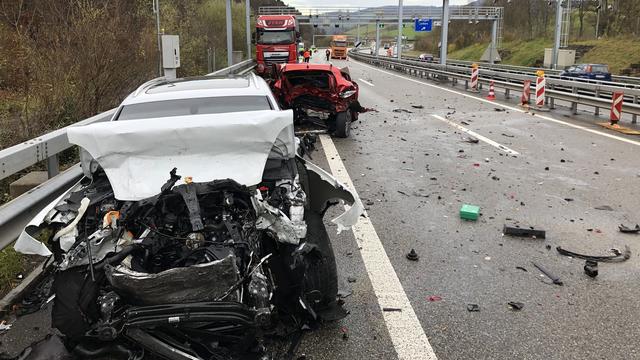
318	92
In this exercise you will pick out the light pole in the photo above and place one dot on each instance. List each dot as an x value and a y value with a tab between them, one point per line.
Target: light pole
248	15
598	18
558	32
399	42
445	32
229	35
156	10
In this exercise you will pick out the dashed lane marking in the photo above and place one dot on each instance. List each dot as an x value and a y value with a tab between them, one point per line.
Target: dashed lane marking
366	82
477	136
579	127
407	335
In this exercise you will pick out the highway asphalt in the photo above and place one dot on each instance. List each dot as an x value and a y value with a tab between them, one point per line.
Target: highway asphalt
413	165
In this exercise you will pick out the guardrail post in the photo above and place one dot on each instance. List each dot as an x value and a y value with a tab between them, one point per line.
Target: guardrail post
634	119
597	111
574	105
53	167
507	93
552	100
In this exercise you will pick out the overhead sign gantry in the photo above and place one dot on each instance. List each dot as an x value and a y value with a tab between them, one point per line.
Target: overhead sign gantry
327	16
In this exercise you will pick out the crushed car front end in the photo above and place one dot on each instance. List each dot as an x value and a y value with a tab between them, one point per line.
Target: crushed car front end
198	262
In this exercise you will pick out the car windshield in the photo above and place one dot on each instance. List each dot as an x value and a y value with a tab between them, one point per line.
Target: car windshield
600	68
340	43
195	106
276	37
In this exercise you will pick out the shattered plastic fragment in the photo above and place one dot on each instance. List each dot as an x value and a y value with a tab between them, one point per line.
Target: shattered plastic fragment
473	307
515	305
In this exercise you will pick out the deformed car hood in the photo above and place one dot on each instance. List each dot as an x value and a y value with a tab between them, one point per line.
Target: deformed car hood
137	155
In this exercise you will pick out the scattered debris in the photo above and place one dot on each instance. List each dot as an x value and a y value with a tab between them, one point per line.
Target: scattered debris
627	230
471	140
495	178
555	279
604	207
345	333
507	135
412	255
402	192
434	298
351	279
473	307
417	106
391	309
400	110
591	268
617	257
568	199
469	212
4	326
464	123
525	232
515	305
521	268
343	294
546	168
499	109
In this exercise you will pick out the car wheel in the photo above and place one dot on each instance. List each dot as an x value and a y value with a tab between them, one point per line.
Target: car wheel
343	124
321	275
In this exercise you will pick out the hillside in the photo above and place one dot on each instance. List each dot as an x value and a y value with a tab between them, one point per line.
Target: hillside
619	54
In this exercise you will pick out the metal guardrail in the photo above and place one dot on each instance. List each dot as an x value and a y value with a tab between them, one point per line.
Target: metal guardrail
617	80
576	92
15	214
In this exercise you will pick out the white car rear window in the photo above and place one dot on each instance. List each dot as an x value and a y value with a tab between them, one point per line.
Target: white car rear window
194	106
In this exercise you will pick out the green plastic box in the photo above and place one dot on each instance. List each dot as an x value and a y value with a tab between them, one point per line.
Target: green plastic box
469	212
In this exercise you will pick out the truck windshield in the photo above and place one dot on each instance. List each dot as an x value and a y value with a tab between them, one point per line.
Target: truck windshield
276	37
340	43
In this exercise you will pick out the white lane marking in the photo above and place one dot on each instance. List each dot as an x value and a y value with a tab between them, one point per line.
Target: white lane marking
366	82
579	127
476	135
407	335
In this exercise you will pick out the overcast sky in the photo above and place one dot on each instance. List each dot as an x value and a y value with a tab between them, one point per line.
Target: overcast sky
368	3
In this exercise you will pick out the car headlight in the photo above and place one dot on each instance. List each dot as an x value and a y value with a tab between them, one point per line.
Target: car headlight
347	93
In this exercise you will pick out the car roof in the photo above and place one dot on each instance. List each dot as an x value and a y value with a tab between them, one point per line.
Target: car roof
203	86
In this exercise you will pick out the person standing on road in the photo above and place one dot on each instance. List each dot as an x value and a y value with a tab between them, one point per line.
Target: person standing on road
328	54
306	55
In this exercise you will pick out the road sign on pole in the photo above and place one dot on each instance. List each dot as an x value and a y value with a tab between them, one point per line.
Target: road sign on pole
423	24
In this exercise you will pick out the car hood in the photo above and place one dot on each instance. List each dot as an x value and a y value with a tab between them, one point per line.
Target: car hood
137	155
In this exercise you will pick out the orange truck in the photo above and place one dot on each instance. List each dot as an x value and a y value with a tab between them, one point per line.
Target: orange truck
339	47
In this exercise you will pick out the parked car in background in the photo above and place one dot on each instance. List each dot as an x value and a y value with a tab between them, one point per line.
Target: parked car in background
426	57
587	71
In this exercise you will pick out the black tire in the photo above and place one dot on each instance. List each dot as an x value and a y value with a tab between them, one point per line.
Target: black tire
343	124
321	274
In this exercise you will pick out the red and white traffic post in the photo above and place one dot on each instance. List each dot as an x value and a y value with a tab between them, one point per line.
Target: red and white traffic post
540	89
526	93
475	73
616	107
492	91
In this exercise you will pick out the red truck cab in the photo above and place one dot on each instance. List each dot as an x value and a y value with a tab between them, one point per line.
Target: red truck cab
276	41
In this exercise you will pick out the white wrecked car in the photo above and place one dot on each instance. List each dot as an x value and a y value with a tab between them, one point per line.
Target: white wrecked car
195	230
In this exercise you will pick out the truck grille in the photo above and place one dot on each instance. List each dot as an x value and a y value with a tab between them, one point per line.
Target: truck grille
276	60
